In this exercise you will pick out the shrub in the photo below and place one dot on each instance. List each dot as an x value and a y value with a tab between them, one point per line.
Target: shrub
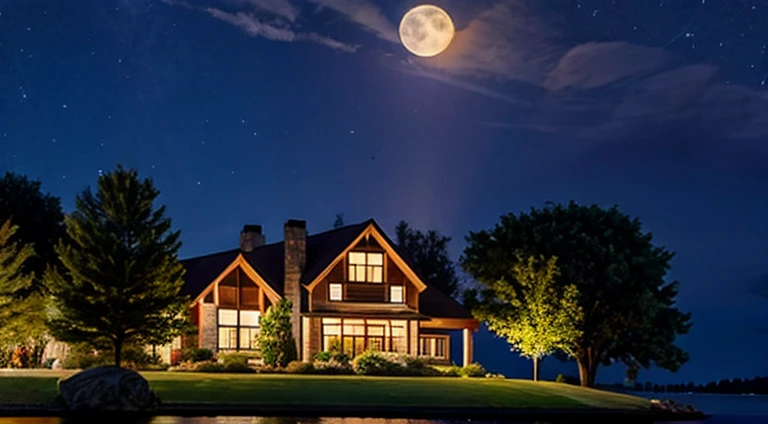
300	367
194	354
211	366
567	379
268	369
327	356
278	347
233	359
333	367
453	371
377	363
473	370
419	367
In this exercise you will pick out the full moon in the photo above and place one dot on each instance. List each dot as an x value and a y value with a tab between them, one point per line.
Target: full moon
426	30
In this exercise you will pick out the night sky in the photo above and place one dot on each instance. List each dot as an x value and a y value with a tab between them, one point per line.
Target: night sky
257	111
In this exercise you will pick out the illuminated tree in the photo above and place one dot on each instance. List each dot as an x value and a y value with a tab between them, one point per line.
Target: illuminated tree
534	314
629	306
14	282
122	278
276	342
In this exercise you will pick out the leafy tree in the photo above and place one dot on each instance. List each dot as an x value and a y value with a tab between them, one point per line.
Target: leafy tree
14	282
629	307
122	276
278	347
339	221
427	254
40	222
535	315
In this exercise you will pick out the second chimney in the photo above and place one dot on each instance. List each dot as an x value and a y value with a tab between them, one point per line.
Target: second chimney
251	238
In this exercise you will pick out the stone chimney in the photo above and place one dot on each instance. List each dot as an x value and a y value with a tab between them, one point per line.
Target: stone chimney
295	259
251	238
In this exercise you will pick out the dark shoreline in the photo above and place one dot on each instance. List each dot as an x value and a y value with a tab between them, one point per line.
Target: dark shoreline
592	415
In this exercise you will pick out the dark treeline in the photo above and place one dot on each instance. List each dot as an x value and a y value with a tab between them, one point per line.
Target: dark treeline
757	385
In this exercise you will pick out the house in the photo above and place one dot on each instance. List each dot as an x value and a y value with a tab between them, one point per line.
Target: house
349	288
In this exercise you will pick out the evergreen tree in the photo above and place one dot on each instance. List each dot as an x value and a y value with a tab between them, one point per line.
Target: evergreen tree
427	254
276	342
14	282
122	278
339	221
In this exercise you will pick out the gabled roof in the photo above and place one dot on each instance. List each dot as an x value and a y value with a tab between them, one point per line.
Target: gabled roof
269	260
204	269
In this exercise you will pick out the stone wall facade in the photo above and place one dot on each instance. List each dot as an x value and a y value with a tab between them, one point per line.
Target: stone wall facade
208	326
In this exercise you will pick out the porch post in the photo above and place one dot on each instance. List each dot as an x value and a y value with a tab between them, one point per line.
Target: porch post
467	345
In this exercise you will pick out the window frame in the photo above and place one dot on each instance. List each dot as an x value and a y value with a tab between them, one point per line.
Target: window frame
367	268
330	291
430	341
237	327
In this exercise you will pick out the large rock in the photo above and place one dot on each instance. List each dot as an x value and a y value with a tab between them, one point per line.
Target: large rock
108	389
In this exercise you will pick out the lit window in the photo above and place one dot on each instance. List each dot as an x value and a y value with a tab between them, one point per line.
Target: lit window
335	291
249	318
249	338
227	337
366	267
227	317
396	294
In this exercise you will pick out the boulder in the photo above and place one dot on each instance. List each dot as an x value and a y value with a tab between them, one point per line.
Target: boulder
108	389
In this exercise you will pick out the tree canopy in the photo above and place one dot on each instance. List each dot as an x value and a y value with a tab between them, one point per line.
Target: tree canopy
122	278
534	314
629	306
427	254
39	219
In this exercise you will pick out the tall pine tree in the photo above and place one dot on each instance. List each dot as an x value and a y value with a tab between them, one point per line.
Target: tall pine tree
14	282
122	278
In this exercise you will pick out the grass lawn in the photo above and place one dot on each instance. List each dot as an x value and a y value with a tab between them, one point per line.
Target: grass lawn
285	390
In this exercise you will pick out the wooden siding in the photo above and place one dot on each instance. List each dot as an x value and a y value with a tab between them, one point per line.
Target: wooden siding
364	293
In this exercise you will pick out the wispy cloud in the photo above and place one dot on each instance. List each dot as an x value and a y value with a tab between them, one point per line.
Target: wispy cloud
282	8
366	14
258	27
274	20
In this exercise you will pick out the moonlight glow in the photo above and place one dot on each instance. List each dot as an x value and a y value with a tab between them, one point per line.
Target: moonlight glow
426	30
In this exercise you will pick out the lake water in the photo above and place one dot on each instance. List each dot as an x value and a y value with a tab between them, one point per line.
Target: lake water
725	409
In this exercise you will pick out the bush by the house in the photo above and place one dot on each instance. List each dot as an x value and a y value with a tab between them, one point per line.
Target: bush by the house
233	359
278	347
193	354
210	366
333	367
473	370
332	355
392	364
452	371
300	367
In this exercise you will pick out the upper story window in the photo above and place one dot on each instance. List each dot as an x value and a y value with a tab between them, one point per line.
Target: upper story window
366	267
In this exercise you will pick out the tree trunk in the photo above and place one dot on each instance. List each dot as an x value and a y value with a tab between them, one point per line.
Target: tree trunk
118	343
535	368
588	367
